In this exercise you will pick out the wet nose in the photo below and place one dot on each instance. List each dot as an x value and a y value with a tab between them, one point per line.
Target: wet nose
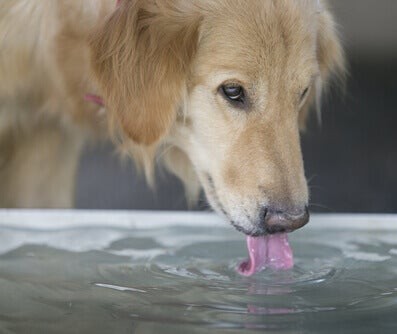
276	221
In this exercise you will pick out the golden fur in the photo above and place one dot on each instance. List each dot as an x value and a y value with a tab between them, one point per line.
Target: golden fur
158	64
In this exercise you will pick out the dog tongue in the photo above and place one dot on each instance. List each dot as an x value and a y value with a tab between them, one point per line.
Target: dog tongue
271	251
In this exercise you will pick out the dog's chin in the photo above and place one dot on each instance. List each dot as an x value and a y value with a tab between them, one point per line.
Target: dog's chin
215	203
250	232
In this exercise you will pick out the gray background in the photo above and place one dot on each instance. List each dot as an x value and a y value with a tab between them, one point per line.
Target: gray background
351	161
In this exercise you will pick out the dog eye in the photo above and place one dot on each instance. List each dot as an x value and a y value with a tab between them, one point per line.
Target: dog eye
234	93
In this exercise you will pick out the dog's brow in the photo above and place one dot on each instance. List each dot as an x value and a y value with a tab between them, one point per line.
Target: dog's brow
231	73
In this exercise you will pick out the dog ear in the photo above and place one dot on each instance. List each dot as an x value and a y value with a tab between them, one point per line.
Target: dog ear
331	60
141	59
330	53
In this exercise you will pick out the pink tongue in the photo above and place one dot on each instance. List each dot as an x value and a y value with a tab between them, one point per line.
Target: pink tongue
271	251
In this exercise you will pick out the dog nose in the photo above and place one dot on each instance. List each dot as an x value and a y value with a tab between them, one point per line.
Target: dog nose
276	221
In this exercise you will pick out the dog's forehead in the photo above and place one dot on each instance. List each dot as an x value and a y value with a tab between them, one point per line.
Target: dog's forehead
257	36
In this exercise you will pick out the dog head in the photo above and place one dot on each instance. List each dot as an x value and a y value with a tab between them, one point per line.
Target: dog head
226	86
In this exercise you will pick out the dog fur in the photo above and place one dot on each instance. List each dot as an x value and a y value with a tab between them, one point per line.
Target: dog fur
158	64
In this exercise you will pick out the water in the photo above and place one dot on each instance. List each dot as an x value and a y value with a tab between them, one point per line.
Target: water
183	280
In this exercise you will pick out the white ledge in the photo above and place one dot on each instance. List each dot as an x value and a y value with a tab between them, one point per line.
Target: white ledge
60	219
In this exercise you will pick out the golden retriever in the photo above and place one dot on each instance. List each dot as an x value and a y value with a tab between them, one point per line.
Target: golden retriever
218	89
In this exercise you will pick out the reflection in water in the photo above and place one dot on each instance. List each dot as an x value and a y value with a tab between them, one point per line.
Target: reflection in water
182	280
259	290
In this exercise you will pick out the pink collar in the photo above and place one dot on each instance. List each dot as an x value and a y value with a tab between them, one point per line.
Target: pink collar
94	99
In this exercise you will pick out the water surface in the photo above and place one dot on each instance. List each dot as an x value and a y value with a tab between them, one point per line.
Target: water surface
183	280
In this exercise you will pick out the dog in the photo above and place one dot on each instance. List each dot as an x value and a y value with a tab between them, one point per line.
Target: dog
218	90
